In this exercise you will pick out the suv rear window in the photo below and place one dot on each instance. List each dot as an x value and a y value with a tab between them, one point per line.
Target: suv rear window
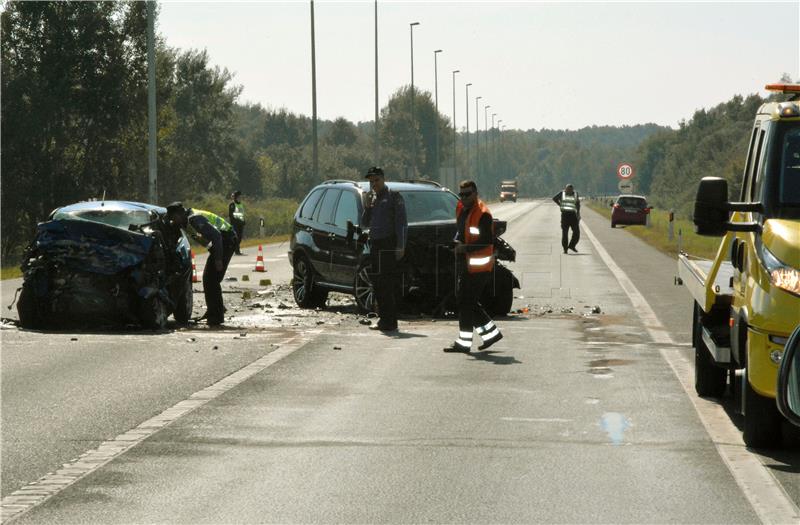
425	206
632	202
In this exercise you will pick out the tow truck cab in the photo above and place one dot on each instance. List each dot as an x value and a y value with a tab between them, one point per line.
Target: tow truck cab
753	285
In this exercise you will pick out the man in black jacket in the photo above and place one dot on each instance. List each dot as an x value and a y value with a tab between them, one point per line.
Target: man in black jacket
236	215
385	215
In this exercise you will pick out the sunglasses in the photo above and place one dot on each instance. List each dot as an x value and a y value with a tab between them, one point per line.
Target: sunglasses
465	193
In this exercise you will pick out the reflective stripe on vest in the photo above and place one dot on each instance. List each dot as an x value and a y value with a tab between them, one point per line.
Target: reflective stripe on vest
238	211
481	260
215	220
569	202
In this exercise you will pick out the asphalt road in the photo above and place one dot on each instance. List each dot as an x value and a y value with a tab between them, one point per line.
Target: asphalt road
574	417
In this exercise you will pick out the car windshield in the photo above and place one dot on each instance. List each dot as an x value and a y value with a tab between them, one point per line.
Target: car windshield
425	206
632	202
111	217
508	188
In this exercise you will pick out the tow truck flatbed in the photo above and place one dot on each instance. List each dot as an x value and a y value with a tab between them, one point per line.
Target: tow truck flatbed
695	272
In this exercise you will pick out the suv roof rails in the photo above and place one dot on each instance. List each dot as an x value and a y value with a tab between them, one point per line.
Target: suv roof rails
422	181
335	181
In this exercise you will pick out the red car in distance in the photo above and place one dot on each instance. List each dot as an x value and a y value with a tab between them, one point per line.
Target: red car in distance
629	209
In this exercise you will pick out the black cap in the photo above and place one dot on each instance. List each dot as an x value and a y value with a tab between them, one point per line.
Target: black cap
175	207
374	170
236	193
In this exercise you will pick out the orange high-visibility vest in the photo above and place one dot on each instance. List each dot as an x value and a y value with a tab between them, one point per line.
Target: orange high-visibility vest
481	260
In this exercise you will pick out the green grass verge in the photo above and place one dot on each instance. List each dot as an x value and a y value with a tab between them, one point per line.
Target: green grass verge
657	234
10	272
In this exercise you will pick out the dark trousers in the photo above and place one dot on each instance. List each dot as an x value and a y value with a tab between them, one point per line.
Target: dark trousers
212	279
238	227
470	311
383	262
569	220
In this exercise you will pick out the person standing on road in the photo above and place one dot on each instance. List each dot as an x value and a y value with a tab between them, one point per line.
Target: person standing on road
570	205
475	268
385	215
216	234
236	215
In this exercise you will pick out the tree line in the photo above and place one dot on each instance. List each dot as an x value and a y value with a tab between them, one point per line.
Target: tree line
74	127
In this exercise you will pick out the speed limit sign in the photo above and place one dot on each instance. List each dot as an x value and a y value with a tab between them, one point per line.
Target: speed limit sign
625	171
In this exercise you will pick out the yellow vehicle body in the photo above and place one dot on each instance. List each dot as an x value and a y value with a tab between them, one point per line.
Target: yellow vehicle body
771	312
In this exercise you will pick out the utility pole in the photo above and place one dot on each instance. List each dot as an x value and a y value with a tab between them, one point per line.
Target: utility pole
377	131
152	158
436	95
486	138
315	152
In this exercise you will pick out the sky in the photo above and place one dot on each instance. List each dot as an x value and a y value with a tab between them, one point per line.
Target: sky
555	65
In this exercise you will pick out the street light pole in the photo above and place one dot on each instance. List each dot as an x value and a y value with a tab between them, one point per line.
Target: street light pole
436	95
466	103
152	172
498	148
377	130
455	133
315	152
487	137
494	148
477	141
413	120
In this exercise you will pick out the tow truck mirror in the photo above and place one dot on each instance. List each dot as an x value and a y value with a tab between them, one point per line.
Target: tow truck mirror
788	397
710	207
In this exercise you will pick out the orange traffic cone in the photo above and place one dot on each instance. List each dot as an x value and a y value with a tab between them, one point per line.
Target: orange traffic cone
260	260
194	269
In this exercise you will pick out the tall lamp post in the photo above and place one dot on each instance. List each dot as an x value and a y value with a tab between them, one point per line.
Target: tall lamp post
466	103
487	136
413	120
494	149
436	95
315	152
455	133
498	148
377	130
152	172
477	141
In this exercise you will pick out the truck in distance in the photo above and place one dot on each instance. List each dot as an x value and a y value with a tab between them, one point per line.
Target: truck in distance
508	190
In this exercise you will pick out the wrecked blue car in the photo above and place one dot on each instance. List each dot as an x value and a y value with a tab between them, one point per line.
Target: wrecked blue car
101	264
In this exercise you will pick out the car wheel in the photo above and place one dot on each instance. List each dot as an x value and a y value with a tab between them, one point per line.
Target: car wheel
613	224
306	293
709	379
363	290
762	421
28	309
184	303
498	298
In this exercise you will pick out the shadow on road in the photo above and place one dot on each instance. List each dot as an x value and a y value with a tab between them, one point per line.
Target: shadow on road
490	357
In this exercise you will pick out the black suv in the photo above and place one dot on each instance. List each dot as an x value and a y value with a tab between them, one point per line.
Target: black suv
329	252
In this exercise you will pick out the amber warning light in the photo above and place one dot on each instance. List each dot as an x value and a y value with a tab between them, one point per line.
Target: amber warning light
783	88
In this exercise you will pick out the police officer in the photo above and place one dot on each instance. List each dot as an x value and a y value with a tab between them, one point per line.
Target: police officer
570	205
236	215
218	236
385	215
475	265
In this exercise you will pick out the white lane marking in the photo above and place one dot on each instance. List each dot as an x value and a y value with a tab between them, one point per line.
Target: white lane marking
39	491
537	419
767	497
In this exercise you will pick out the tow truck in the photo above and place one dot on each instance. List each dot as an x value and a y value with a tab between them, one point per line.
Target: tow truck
508	190
747	299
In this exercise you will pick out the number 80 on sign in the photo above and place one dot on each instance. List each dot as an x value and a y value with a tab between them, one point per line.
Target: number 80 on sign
625	171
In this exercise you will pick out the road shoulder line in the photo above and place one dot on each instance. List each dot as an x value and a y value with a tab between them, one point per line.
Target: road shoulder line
767	497
39	491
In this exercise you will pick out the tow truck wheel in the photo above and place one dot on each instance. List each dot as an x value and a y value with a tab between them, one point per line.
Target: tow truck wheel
709	379
762	422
